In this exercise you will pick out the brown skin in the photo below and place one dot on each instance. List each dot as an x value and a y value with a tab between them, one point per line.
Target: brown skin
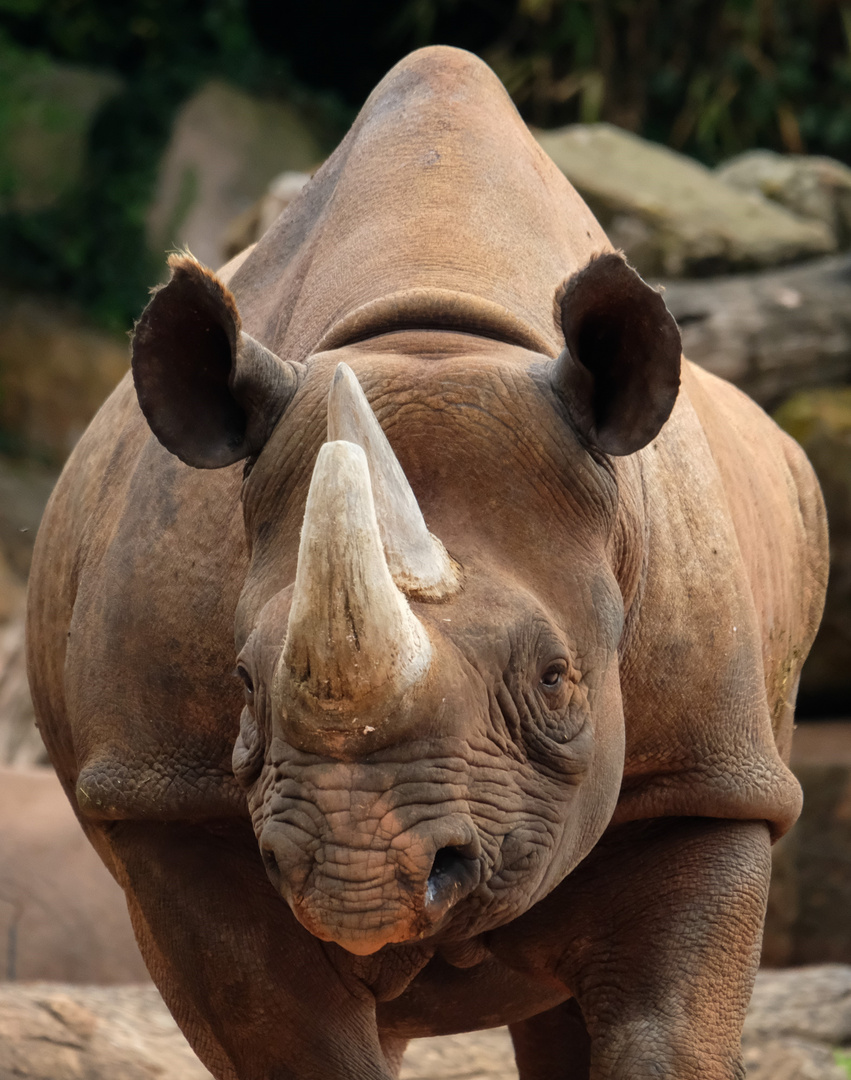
576	800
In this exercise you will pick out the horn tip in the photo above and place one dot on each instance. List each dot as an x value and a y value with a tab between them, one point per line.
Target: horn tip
343	373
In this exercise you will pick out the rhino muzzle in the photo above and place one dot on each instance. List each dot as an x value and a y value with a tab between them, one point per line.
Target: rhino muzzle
363	898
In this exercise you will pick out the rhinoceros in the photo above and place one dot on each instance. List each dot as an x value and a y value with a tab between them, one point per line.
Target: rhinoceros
418	639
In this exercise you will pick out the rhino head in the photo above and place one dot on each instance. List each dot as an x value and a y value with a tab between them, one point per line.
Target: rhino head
432	735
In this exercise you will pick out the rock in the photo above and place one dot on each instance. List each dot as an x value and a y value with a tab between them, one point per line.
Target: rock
249	226
50	1032
795	1021
24	490
20	742
55	371
792	1059
62	917
225	148
820	420
25	487
55	1032
672	215
818	188
812	1003
773	332
810	892
48	109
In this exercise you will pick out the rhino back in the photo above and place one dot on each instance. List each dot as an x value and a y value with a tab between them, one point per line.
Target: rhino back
438	186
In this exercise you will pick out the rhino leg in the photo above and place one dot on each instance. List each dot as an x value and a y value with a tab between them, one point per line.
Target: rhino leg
256	996
553	1045
673	912
660	928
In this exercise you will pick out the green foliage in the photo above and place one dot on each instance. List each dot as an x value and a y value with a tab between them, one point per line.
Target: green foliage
710	77
843	1060
89	244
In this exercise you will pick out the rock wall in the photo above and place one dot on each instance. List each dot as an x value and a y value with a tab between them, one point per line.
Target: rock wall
672	215
56	369
821	422
62	917
810	895
225	147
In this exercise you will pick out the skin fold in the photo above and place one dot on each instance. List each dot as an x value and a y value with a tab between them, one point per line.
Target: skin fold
536	786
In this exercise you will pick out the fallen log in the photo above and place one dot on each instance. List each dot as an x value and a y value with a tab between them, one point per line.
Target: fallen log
773	332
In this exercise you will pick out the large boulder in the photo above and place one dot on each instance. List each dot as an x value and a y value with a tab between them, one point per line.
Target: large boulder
225	148
796	1021
56	369
48	110
672	215
810	186
820	420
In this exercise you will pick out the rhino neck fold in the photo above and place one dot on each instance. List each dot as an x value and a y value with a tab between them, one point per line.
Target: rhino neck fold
439	186
433	309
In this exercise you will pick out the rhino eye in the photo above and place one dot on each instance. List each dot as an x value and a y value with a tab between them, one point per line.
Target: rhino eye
242	673
553	676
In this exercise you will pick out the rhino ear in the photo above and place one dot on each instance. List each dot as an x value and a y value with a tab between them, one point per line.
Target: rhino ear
620	371
210	393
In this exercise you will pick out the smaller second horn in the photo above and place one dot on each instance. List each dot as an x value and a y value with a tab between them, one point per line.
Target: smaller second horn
419	563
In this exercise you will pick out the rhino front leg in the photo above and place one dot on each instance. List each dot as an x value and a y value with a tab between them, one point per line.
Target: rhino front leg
257	996
673	913
662	925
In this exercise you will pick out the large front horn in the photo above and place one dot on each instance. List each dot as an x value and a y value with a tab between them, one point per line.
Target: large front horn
418	561
351	633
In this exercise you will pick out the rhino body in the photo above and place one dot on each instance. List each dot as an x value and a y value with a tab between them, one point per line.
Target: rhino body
519	627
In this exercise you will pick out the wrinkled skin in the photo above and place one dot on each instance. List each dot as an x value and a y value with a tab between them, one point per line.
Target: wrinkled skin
553	808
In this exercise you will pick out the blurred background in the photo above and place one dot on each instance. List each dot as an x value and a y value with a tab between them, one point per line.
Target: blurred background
712	138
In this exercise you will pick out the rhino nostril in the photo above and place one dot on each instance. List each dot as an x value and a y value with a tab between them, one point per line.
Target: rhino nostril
444	861
454	873
271	864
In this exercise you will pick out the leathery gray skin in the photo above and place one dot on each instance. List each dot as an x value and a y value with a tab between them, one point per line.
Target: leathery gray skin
518	603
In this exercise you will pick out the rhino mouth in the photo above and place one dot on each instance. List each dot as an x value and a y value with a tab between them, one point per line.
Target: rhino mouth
434	309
